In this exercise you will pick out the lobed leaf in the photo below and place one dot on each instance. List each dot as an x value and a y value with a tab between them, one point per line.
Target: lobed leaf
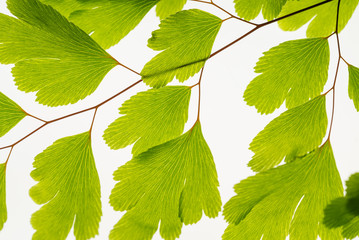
287	200
171	183
166	8
343	212
3	209
354	85
69	187
111	20
52	56
187	38
294	133
151	118
250	9
294	71
10	114
322	19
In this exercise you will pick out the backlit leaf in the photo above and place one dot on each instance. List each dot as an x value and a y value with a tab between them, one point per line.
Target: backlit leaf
10	114
354	85
344	211
167	7
249	9
322	19
69	187
3	210
287	200
294	71
111	20
294	133
187	38
52	56
151	118
171	183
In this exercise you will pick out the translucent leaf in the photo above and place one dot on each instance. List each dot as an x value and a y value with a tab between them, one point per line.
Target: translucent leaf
353	193
3	210
287	200
294	133
344	212
69	187
171	183
66	7
110	20
322	19
10	114
351	230
187	38
53	56
294	71
167	7
249	9
151	118
354	85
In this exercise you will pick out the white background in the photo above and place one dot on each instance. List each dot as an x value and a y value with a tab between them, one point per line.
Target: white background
228	123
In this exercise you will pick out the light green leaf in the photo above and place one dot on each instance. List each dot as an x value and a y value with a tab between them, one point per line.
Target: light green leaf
3	210
249	9
167	7
171	183
351	230
69	187
53	56
151	118
294	133
344	212
110	21
66	7
294	71
286	200
187	38
322	19
10	114
354	85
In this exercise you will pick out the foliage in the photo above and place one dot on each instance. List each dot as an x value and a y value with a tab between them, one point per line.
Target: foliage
58	47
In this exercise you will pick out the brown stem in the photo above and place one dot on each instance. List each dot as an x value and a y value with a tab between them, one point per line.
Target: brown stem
199	93
70	115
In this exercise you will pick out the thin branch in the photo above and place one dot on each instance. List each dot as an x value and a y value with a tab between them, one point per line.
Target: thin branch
336	72
199	93
124	66
267	23
225	11
93	121
8	157
70	115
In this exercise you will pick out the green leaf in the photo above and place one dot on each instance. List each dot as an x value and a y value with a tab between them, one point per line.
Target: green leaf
286	200
351	230
354	85
344	212
110	21
3	210
69	187
66	7
187	38
294	71
53	56
294	133
249	9
353	193
151	118
171	183
167	7
322	19
10	114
